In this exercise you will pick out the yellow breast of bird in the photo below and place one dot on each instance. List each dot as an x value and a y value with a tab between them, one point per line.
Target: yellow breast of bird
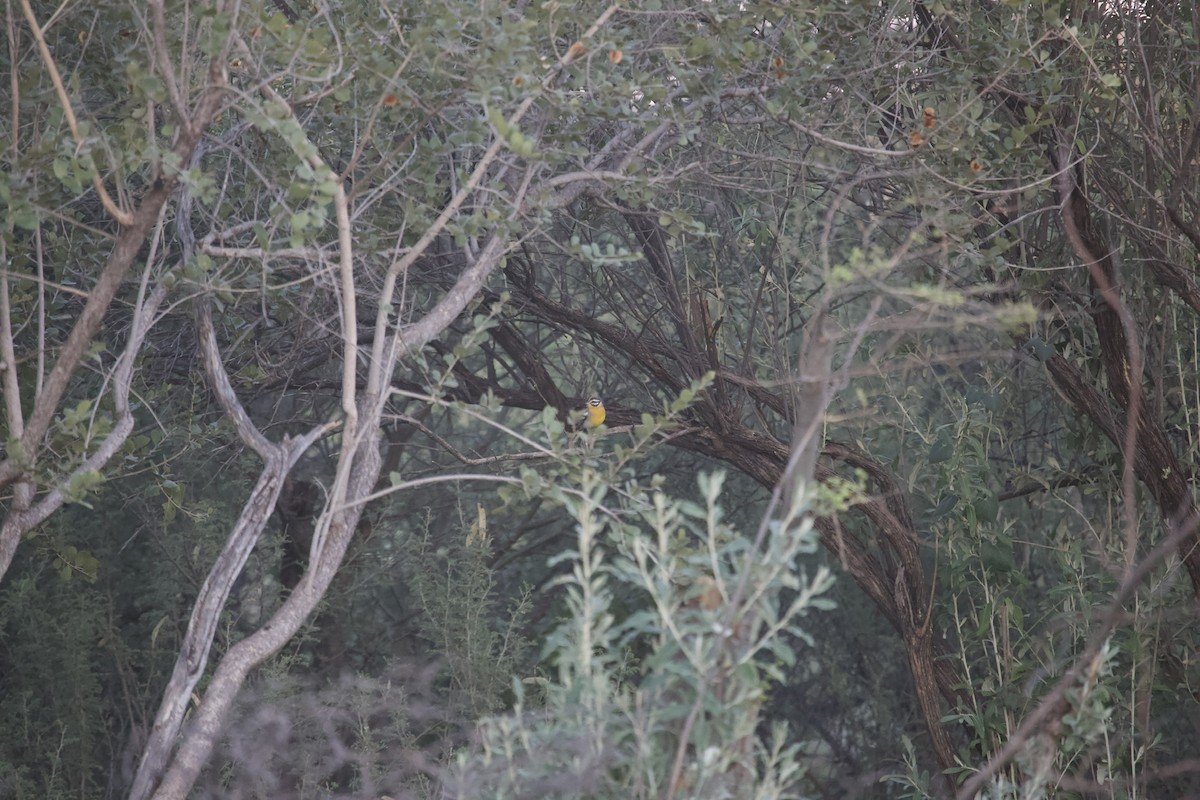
595	410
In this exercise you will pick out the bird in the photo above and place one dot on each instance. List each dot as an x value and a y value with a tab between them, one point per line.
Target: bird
595	412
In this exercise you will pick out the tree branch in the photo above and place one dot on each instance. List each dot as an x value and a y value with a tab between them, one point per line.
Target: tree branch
123	217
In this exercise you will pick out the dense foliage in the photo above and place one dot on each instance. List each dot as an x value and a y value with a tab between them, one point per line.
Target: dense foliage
892	307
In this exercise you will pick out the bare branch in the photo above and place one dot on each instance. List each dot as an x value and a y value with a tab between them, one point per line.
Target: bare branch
158	37
214	593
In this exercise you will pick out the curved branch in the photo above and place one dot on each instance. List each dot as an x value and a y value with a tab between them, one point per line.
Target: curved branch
123	217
